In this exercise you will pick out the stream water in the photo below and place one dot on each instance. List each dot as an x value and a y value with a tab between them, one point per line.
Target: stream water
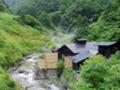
25	75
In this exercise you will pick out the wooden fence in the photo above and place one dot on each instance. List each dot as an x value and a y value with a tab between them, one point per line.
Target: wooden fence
50	61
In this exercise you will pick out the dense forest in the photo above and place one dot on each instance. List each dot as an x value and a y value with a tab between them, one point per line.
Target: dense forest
80	16
23	24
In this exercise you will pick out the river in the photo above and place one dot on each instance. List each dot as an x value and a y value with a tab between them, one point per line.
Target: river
25	73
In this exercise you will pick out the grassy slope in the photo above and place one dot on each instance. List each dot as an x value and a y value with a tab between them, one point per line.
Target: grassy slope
16	40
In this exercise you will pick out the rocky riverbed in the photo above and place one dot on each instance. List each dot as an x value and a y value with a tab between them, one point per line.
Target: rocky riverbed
25	74
25	71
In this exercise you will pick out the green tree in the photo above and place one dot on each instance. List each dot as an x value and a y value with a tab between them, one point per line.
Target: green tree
99	73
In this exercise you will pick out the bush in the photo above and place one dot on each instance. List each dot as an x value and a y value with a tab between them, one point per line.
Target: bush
68	74
93	71
60	64
5	82
99	73
55	18
44	18
60	67
2	8
30	20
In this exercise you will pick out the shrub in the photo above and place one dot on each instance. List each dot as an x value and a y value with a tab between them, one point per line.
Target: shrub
29	20
68	74
2	7
55	18
60	67
44	18
5	82
93	71
99	73
60	64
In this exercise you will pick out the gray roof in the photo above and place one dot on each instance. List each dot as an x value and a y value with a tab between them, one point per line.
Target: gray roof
77	48
83	55
105	43
84	51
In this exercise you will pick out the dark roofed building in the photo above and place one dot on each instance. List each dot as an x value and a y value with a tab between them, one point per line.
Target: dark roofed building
64	51
74	48
81	50
81	57
108	48
77	48
105	43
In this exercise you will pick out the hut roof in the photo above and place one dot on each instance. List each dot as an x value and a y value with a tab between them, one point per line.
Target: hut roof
106	43
77	48
83	55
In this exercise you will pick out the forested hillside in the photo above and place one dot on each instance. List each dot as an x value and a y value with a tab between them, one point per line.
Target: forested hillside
3	6
69	14
23	24
107	27
16	40
74	15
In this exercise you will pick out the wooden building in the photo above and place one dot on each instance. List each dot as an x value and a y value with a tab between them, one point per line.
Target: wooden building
78	51
108	48
75	48
82	50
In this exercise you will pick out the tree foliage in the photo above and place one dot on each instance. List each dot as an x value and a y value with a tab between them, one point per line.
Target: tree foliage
99	73
107	28
3	6
93	19
70	14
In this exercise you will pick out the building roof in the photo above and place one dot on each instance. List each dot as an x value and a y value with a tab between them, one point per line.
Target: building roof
77	48
106	43
84	51
83	55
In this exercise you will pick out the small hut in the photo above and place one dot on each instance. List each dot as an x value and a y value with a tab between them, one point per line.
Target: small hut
79	51
108	48
49	64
